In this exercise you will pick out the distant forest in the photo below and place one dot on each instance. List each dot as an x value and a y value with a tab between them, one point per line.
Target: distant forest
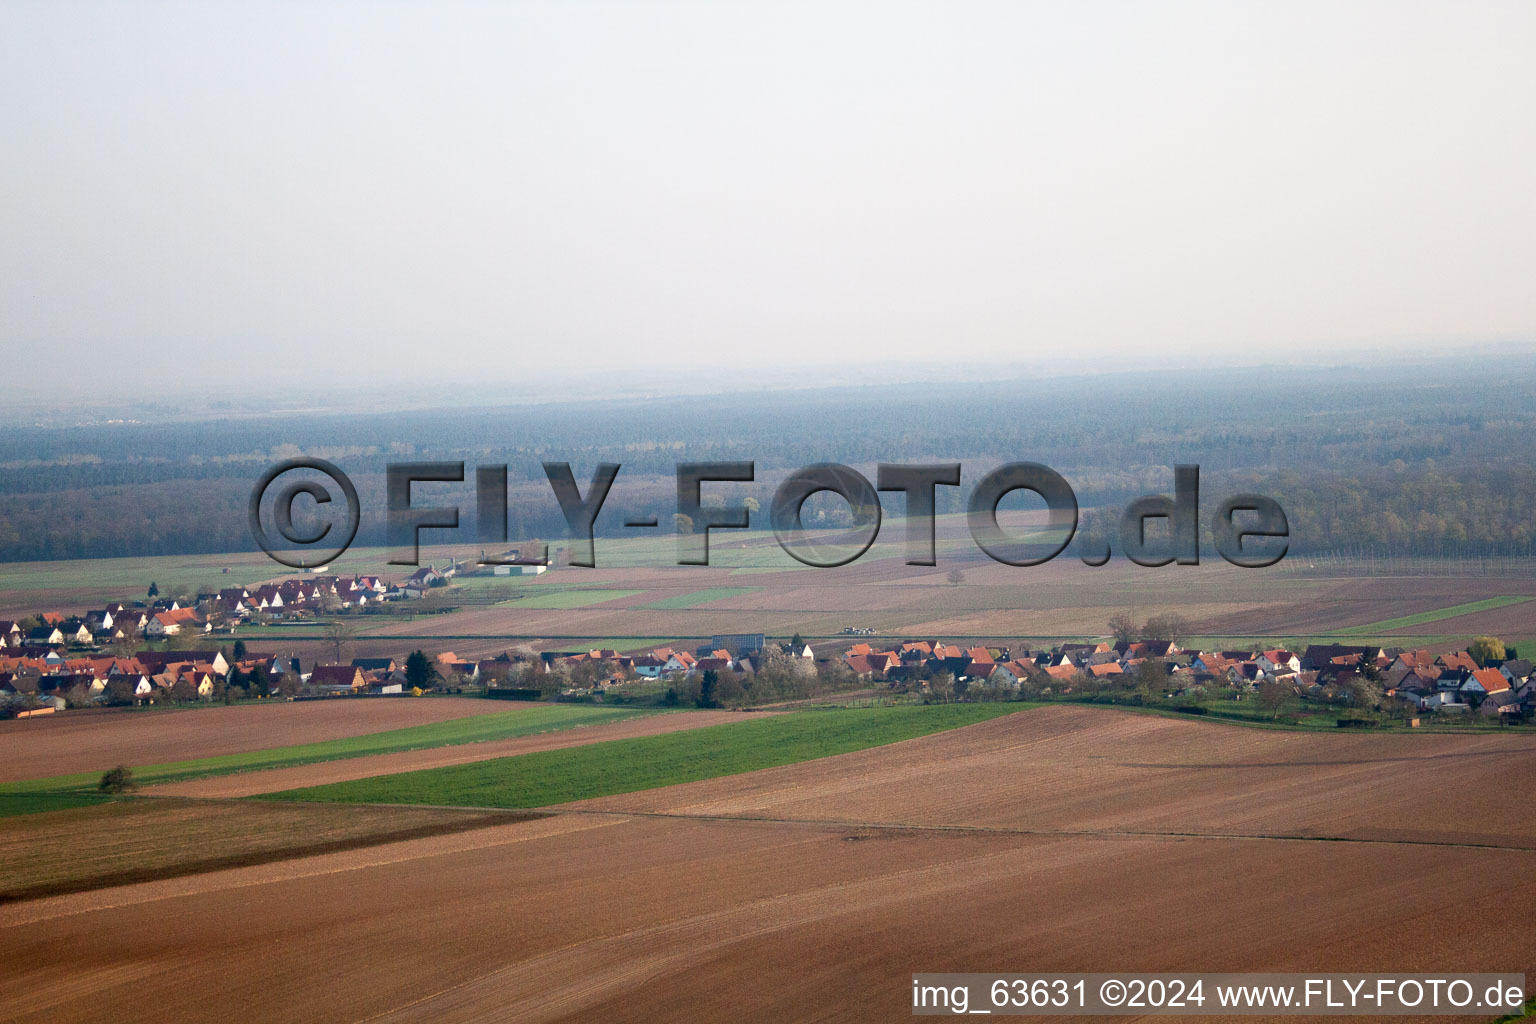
1428	461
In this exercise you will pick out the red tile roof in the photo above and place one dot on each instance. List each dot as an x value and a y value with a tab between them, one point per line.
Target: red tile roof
1492	680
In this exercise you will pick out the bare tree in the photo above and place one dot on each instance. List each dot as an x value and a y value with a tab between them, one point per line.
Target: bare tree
1272	696
338	635
942	687
1152	679
1123	626
1170	627
188	638
955	577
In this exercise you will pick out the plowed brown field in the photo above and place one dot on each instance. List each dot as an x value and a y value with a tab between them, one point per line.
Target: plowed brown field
1098	769
650	913
92	741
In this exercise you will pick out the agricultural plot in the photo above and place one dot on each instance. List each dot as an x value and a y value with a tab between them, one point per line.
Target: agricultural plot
251	783
572	598
143	840
1064	768
62	744
1050	840
97	580
26	587
1387	626
30	795
699	597
638	590
1065	622
537	780
1225	605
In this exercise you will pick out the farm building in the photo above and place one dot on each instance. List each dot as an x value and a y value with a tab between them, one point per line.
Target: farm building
518	570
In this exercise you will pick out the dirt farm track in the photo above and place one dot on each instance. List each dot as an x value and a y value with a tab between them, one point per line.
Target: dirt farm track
1062	838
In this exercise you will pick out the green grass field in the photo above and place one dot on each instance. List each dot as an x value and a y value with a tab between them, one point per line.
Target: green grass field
626	766
622	643
128	578
699	597
470	589
60	791
573	598
1403	622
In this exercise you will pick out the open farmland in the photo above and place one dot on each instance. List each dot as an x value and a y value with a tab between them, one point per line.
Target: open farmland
638	591
78	584
555	776
250	783
1452	612
1057	839
1038	604
33	794
559	599
95	741
1091	770
142	840
696	598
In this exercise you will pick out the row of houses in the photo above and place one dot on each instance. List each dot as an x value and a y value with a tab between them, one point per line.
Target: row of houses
920	659
207	611
34	665
52	680
737	653
316	593
105	625
388	675
1450	682
286	596
51	677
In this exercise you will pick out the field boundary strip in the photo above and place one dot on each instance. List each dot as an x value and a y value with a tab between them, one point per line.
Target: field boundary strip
1449	612
1019	830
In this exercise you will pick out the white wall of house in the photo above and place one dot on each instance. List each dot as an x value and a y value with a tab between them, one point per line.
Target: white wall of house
518	570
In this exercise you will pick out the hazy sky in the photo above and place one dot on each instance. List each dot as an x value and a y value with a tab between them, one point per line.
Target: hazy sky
358	189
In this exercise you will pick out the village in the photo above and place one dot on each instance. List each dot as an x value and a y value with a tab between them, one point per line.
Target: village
168	652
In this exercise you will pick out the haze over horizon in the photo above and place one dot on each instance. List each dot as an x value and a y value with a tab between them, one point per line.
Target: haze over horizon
374	194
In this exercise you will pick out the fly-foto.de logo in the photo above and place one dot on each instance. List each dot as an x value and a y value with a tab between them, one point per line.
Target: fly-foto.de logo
1248	530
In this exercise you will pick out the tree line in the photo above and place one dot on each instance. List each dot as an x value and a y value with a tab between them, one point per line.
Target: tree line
1384	460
